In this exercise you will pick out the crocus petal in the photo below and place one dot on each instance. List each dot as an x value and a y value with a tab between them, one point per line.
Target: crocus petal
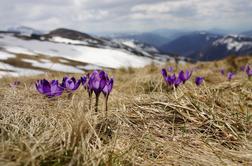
222	71
103	82
177	82
46	86
181	76
108	87
230	75
39	87
242	68
188	75
69	84
83	80
170	69
199	80
77	84
164	73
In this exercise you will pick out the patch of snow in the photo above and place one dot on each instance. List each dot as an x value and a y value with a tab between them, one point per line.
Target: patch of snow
141	47
231	43
45	60
89	67
5	55
19	50
63	61
112	58
16	71
54	66
129	43
59	39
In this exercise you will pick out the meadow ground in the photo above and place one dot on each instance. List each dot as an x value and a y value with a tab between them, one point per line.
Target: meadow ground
148	123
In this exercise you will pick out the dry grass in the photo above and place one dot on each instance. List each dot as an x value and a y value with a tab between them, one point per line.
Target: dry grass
147	123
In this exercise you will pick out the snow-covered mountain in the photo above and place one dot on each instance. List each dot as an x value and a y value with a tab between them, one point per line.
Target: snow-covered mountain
69	51
209	46
227	45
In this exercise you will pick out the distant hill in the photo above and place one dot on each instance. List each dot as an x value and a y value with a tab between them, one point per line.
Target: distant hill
209	46
247	33
25	31
148	38
190	43
225	46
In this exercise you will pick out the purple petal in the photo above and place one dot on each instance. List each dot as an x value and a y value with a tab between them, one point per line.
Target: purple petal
39	87
83	80
77	84
177	82
170	69
230	75
181	76
188	75
108	87
56	90
46	86
199	80
242	68
222	71
164	73
70	84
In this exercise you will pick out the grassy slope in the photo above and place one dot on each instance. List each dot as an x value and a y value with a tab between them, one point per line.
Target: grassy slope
147	123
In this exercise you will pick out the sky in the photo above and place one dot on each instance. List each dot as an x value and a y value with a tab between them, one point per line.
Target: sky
127	15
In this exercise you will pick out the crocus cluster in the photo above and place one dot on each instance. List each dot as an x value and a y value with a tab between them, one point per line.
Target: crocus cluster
97	82
174	80
229	75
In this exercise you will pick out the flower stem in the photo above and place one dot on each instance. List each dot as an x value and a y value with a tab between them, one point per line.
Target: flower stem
90	101
96	103
106	104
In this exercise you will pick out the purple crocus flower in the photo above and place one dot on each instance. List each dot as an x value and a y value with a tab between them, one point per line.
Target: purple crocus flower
70	84
184	76
242	68
199	80
170	69
96	83
230	75
164	73
49	89
222	71
173	80
108	87
107	90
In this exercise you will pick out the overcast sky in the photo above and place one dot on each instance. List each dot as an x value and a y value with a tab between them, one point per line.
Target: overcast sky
127	15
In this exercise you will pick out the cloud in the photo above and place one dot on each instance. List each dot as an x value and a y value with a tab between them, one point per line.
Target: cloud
126	15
